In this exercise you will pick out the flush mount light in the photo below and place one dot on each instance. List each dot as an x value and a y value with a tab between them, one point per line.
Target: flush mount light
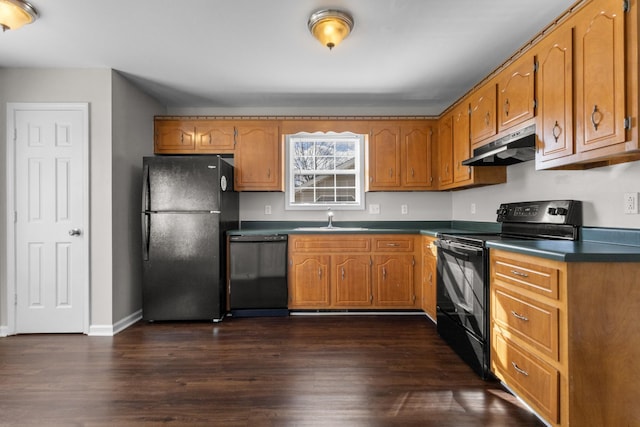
16	13
330	27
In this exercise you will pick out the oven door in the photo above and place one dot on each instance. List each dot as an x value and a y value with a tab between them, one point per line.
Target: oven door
461	290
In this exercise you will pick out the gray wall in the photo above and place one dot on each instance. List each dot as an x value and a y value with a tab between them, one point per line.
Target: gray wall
116	139
132	130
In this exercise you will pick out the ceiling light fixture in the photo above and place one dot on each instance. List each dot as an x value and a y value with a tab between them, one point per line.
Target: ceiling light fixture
16	13
330	27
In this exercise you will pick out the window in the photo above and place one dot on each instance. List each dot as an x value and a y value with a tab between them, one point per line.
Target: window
324	170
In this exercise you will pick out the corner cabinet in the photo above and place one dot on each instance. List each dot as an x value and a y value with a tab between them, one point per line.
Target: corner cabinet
352	272
454	146
563	337
258	157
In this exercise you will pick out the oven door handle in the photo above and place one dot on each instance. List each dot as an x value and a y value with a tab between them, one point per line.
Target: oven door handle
458	248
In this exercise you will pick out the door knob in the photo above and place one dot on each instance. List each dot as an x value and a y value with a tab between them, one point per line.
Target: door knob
75	232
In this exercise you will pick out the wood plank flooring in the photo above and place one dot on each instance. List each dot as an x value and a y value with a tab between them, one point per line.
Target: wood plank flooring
291	371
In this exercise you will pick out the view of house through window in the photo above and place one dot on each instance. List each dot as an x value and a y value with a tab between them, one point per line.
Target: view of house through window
325	170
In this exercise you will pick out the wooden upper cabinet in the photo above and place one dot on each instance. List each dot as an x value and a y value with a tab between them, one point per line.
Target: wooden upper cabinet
214	137
483	122
461	143
258	157
600	77
555	96
416	165
384	157
516	85
174	137
445	149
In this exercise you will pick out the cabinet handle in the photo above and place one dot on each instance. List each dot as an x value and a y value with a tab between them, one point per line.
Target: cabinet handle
210	139
269	173
519	369
519	316
487	118
556	131
596	117
393	245
384	273
182	138
506	107
390	172
518	273
319	273
431	278
412	173
342	273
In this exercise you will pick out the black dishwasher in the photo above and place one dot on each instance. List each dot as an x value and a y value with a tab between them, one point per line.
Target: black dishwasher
258	275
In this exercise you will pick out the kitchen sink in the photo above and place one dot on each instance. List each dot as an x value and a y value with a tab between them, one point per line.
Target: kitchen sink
326	228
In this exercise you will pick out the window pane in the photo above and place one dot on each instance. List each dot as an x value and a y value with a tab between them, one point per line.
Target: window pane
325	163
304	196
346	194
345	180
325	196
325	181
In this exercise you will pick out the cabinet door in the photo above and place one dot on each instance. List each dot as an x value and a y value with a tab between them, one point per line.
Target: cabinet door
461	143
393	280
600	75
214	137
258	158
309	281
384	158
483	113
429	276
555	96
445	150
417	172
174	137
516	93
352	280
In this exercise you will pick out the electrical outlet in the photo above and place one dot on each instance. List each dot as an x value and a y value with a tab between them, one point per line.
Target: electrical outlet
267	209
473	208
404	209
631	203
374	209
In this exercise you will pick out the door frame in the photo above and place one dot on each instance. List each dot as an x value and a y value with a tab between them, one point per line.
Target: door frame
11	216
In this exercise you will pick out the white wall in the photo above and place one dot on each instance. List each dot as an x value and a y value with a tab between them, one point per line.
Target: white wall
422	206
132	129
600	189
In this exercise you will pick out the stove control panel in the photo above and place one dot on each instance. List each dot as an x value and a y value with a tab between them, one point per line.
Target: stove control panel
547	212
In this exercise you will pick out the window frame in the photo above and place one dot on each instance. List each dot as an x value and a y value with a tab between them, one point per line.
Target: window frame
358	171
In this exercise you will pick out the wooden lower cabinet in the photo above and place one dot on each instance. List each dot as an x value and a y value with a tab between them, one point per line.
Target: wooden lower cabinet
429	271
563	337
352	271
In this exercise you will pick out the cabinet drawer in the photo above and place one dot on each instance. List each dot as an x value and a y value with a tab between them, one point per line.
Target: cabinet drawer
393	244
531	378
542	280
531	321
328	244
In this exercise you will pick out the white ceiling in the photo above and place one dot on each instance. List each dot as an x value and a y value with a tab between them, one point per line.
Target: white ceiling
414	56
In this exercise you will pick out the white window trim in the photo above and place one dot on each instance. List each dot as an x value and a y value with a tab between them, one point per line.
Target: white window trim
359	173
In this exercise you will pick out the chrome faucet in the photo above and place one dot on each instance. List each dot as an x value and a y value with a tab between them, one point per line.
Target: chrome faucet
330	217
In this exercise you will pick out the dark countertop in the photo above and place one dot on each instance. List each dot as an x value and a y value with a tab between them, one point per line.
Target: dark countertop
569	251
596	244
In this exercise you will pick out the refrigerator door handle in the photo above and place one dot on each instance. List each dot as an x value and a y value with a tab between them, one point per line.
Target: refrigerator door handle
145	189
146	231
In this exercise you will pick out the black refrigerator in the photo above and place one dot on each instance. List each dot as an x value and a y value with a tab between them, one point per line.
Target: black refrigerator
188	203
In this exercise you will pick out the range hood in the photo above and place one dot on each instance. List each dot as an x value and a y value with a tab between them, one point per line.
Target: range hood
517	147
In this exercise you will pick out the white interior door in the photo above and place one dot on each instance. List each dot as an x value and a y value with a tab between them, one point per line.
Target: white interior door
50	193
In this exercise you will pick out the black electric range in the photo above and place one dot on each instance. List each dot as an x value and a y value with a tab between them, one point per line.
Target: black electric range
463	271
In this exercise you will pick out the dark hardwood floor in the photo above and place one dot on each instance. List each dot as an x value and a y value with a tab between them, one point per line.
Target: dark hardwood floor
295	371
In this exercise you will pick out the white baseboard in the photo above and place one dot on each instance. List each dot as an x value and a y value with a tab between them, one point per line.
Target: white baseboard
119	326
4	331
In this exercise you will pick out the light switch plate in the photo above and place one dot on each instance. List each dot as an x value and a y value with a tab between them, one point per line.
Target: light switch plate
374	209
